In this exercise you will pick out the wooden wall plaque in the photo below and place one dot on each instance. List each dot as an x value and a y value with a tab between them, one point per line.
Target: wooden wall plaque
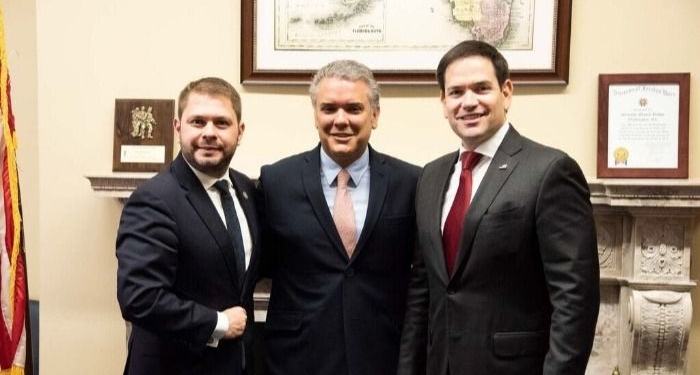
143	134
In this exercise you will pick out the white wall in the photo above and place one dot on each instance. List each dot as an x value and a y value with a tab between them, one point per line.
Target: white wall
70	59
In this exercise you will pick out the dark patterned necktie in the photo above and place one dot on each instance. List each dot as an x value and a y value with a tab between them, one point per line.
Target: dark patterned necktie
232	224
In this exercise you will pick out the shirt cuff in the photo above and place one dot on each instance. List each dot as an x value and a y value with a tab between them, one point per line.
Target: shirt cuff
219	330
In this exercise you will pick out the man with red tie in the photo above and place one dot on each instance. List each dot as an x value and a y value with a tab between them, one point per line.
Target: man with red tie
505	279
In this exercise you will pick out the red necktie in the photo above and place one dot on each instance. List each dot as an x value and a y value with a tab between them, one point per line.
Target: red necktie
452	232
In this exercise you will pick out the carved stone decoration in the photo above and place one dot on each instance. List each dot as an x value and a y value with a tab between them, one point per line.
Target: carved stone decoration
609	230
662	247
660	328
604	355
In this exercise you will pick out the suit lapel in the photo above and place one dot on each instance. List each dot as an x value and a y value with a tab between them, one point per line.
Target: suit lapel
502	166
440	178
244	196
201	203
311	179
378	188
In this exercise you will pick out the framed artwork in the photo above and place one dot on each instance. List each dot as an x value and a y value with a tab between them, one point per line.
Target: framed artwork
643	125
402	41
143	134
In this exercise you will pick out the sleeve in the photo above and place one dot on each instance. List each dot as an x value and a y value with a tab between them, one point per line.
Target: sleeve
147	256
568	247
414	335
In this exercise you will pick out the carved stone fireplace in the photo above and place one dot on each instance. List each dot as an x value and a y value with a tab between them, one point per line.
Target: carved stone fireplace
645	234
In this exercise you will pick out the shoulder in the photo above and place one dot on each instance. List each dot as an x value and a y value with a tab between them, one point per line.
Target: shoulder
288	163
444	161
395	165
241	178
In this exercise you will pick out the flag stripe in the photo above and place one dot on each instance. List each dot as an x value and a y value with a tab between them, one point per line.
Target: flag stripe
13	286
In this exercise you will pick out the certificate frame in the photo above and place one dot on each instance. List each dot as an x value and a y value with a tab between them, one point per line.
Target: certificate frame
646	128
258	29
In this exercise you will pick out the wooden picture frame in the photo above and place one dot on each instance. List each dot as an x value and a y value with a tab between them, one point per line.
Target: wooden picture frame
544	59
643	125
143	134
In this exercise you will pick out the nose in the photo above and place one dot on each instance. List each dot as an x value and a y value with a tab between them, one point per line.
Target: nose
209	129
469	99
341	118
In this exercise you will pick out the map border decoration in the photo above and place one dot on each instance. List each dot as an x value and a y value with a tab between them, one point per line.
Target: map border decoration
640	79
556	74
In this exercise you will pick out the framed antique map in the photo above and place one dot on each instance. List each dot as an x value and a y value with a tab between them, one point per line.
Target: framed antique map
285	41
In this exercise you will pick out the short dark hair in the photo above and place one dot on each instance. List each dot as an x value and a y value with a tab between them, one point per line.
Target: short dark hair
210	86
469	48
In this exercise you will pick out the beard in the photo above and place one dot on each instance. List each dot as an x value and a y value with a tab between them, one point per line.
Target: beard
211	163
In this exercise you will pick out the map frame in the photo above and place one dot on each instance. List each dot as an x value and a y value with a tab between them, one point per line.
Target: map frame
261	65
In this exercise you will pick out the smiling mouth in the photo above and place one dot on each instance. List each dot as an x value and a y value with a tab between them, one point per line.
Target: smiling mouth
472	116
208	149
343	136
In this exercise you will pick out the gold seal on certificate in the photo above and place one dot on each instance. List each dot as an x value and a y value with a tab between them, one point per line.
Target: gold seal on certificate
621	154
143	134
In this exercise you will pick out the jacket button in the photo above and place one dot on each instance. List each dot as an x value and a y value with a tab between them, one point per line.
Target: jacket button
349	272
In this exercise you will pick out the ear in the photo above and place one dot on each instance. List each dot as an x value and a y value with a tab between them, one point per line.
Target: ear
444	106
375	117
241	129
507	90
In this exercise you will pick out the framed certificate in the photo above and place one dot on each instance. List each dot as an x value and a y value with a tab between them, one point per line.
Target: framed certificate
643	125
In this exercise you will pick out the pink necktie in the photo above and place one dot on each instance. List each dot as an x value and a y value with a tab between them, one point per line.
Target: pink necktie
452	232
344	214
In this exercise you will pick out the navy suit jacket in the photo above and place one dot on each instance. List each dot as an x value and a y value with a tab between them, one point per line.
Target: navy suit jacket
330	314
176	269
524	296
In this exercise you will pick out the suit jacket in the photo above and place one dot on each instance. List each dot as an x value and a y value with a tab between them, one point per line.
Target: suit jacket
329	314
524	296
176	270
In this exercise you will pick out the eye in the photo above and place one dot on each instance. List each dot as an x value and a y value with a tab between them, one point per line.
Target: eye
222	123
198	122
328	109
355	108
455	92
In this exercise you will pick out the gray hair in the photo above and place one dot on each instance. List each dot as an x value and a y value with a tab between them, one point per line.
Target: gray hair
348	70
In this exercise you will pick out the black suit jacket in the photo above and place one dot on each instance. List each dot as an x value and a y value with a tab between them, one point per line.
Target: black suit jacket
329	314
176	270
525	292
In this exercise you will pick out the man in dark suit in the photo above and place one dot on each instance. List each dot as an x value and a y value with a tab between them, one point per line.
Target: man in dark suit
339	278
512	285
187	251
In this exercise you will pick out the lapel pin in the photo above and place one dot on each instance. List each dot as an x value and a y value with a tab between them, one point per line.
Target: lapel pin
245	195
503	166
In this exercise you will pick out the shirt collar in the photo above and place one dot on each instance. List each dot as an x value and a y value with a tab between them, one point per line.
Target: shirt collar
491	145
357	169
206	180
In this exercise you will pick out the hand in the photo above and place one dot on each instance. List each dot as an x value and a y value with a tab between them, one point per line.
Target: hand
237	319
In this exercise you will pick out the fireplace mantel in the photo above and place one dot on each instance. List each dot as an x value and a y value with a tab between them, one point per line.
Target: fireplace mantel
645	233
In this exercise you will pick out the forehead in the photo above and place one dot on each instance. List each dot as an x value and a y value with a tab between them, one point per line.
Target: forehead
338	90
201	103
472	68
